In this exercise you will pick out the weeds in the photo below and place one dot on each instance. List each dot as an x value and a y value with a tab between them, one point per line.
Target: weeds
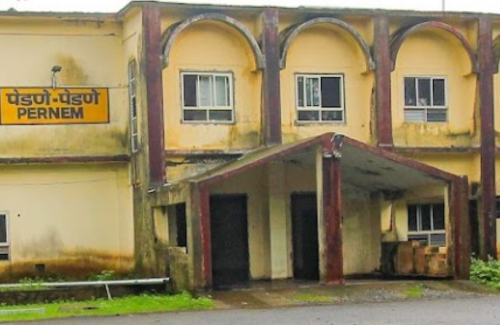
487	273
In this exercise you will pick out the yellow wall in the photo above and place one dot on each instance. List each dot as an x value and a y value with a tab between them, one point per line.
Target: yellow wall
432	53
68	212
361	231
326	49
90	54
211	46
456	163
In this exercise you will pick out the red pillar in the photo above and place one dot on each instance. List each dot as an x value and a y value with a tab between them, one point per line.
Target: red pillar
271	99
460	225
201	236
382	57
487	214
332	210
151	24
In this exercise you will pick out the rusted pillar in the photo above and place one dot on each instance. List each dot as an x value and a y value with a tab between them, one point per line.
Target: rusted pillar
459	215
487	214
152	67
271	102
201	252
382	57
332	221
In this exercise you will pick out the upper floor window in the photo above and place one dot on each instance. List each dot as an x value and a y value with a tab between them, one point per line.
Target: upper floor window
320	98
132	93
207	97
425	99
426	224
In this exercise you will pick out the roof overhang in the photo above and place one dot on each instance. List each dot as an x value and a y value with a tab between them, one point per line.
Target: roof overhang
364	166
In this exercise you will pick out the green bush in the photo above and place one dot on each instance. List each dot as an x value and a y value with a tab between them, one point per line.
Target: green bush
487	273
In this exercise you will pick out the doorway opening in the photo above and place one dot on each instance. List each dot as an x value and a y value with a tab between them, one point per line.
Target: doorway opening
229	239
305	236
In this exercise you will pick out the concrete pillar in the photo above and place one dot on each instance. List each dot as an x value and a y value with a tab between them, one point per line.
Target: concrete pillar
331	254
278	222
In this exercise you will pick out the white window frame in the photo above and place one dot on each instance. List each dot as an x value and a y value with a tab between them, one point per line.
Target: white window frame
6	214
428	233
5	247
426	108
208	109
132	93
319	108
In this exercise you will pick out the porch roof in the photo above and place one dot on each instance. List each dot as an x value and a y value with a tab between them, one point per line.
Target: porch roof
362	165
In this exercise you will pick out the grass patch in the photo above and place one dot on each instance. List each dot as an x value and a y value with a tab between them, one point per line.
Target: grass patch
416	291
310	298
117	306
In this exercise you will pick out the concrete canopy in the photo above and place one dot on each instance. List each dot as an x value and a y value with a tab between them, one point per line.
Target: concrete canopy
364	166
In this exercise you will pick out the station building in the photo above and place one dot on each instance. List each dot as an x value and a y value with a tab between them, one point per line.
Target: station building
219	145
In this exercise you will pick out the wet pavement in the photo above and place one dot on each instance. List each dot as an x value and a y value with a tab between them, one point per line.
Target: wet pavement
284	294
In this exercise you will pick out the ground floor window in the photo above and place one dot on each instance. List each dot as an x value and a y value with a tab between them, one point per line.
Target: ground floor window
426	224
4	238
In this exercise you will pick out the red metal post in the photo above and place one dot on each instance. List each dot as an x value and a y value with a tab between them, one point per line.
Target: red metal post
332	210
488	179
151	24
271	104
382	57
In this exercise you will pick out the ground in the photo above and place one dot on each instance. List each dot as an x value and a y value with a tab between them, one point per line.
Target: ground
358	303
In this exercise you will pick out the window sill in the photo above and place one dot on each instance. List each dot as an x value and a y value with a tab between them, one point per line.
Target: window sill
318	123
207	123
409	122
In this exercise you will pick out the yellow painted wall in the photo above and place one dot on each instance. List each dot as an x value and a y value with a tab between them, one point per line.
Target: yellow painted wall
91	54
455	163
361	231
434	53
211	46
68	212
326	49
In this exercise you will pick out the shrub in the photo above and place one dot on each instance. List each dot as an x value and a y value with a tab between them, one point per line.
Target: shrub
487	273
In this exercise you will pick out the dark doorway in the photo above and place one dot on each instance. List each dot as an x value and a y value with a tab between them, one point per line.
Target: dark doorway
229	233
305	236
474	227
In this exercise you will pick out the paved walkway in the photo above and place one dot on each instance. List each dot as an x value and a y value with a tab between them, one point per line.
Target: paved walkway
282	294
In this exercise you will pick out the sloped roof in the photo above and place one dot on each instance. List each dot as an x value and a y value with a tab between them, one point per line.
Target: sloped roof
362	165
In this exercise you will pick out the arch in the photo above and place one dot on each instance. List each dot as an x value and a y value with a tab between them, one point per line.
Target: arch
401	35
171	34
292	33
